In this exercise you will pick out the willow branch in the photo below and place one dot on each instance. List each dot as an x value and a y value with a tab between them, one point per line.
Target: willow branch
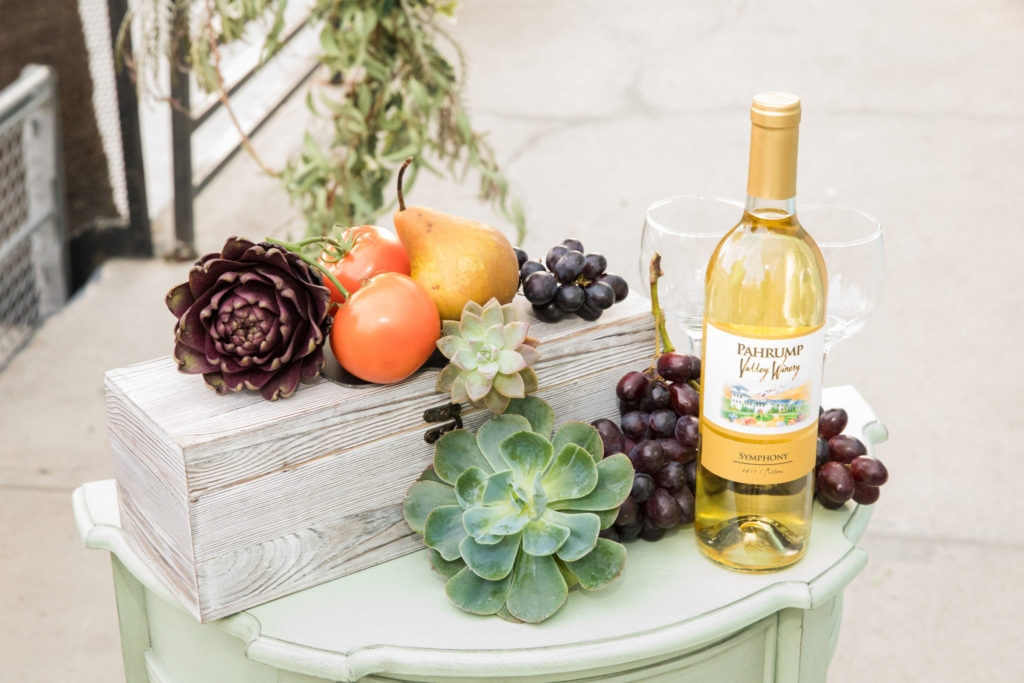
222	93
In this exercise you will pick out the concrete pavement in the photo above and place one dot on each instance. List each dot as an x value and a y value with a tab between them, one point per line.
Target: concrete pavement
912	111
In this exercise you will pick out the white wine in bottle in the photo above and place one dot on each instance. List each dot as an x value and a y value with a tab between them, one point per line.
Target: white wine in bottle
764	313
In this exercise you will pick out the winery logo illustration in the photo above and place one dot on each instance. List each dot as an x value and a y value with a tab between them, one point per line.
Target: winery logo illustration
773	408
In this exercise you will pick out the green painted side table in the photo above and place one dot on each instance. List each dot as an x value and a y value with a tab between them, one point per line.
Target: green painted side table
672	616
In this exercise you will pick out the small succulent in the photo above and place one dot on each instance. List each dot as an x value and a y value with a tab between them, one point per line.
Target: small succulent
490	357
252	316
512	518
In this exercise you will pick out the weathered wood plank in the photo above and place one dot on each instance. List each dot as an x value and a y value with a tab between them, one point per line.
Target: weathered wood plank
355	481
191	414
147	539
237	580
153	493
293	442
238	501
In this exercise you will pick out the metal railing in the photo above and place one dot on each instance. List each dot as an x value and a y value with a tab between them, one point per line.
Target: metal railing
33	246
203	139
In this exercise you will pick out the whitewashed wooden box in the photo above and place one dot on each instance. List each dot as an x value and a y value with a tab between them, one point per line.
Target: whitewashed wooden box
234	500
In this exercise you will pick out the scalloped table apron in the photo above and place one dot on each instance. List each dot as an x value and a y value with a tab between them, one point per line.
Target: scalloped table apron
672	616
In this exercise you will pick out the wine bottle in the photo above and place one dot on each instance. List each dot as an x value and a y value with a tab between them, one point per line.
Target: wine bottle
762	356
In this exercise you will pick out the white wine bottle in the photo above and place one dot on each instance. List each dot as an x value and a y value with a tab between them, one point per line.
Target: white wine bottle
762	358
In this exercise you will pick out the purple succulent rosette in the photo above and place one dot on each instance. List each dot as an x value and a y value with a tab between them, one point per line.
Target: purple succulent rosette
253	316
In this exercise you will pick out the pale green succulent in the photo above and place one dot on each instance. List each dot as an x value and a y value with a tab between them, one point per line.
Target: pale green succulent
512	518
490	357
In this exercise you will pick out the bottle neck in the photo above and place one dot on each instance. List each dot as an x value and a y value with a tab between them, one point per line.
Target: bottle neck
772	171
771	209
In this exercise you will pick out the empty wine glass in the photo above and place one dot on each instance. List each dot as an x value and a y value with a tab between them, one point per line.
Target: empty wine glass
684	230
851	244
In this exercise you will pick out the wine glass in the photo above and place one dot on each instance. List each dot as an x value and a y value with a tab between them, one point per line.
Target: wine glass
851	244
685	230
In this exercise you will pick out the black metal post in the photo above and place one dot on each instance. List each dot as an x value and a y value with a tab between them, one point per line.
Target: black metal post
91	247
181	149
139	238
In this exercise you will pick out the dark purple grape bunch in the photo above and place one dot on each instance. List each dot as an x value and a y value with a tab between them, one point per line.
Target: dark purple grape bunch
659	433
843	469
569	281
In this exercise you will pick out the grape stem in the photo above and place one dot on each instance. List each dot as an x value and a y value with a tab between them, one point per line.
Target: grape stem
661	337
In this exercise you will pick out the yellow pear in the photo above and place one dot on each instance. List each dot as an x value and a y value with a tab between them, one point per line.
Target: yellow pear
456	259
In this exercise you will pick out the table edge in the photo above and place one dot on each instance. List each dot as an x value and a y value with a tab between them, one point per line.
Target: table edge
390	659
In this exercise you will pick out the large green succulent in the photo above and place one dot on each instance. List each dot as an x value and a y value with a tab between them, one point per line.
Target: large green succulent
512	518
490	357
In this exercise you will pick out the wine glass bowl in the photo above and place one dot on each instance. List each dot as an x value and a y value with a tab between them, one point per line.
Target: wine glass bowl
851	244
685	230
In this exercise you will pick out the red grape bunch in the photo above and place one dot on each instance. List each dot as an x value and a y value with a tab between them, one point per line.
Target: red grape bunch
571	282
843	469
659	433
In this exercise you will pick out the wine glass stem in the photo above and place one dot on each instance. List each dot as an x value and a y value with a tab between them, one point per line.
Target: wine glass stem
824	360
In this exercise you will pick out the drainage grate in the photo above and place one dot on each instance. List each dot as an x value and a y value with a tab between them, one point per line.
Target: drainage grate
32	249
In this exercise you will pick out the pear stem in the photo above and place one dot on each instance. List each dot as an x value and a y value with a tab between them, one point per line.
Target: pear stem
401	172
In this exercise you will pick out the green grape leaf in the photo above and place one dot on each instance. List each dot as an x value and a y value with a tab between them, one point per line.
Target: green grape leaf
583	435
473	594
444	532
571	475
423	498
600	566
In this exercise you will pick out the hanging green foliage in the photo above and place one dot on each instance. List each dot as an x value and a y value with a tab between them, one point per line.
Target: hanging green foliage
390	93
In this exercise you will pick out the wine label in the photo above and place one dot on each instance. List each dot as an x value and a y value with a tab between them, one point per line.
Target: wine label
759	405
